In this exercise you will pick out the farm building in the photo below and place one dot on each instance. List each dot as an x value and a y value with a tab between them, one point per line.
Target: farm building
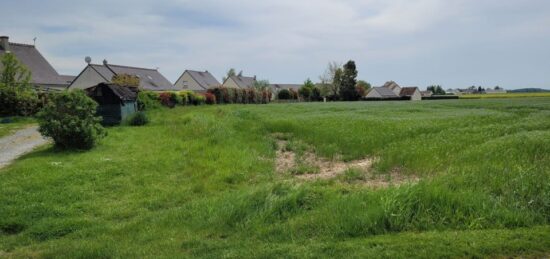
43	75
196	81
426	93
393	86
116	102
239	82
412	92
381	92
149	79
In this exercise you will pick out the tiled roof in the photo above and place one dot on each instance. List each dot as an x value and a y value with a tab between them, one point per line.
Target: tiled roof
295	87
384	92
391	85
149	79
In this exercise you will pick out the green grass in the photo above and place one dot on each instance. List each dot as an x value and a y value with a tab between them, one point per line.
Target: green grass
200	182
16	124
504	95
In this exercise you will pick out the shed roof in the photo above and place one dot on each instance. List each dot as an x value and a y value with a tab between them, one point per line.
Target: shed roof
124	93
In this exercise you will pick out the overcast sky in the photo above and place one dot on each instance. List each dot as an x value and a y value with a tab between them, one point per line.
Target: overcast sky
455	43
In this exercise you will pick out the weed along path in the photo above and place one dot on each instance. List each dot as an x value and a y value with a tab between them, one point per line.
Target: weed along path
19	143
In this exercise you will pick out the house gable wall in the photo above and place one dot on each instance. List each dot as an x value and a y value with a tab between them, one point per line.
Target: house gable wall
88	78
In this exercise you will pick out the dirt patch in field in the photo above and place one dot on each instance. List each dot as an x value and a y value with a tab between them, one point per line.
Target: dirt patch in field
357	171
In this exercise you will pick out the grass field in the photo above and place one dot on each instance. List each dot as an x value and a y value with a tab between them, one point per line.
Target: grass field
15	124
504	95
201	182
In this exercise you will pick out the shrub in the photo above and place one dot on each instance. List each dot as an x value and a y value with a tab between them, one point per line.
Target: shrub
184	97
166	100
69	119
293	94
284	94
316	94
210	98
18	101
138	119
200	99
148	100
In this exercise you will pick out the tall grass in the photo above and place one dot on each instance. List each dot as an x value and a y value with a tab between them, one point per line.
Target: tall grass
200	181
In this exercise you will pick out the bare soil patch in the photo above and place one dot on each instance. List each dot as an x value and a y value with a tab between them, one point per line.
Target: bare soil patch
288	161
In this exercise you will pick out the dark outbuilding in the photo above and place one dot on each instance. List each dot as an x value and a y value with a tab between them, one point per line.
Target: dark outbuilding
116	102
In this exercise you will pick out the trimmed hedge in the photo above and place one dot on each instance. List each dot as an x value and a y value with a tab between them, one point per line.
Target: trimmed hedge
441	97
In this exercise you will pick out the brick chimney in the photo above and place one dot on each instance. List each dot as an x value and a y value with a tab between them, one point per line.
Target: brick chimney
5	43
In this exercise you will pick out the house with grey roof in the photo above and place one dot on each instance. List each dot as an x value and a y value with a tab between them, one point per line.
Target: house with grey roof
391	90
382	93
239	82
93	74
43	75
196	81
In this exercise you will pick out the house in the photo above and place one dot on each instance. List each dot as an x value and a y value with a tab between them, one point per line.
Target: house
393	86
93	74
43	75
381	93
426	93
196	81
116	102
239	82
412	92
275	88
495	91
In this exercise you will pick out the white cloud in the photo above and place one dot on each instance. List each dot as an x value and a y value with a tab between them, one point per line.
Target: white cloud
416	42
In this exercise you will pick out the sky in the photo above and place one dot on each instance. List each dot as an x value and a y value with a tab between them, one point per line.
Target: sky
453	43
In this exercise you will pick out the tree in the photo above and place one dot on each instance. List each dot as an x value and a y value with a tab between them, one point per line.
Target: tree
16	94
336	84
261	85
69	119
436	89
364	84
230	73
125	80
307	89
14	74
329	80
348	82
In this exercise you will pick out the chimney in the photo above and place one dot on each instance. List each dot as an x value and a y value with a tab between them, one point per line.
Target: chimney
5	43
254	77
105	62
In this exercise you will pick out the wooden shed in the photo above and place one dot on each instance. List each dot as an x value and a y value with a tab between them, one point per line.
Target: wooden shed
116	102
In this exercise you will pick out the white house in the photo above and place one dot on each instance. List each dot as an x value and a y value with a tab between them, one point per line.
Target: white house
381	92
149	79
196	81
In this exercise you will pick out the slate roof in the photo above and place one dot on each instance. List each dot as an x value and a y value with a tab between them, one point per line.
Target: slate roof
149	79
204	79
408	91
42	72
122	92
244	81
385	92
391	85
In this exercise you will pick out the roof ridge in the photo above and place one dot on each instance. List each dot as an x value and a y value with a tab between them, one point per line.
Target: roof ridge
22	44
131	67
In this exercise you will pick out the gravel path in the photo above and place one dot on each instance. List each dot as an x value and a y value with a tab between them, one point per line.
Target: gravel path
19	143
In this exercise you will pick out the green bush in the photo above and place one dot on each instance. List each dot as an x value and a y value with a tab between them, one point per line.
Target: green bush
69	119
148	100
138	119
284	94
18	101
199	99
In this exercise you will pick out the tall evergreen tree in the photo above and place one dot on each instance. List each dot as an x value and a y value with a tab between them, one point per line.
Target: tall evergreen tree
349	81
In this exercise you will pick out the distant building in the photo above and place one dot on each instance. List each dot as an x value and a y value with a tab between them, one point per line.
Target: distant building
411	92
381	92
391	90
495	91
275	88
196	81
93	74
426	93
43	75
239	82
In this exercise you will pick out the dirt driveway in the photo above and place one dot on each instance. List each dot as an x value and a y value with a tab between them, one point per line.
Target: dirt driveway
19	143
